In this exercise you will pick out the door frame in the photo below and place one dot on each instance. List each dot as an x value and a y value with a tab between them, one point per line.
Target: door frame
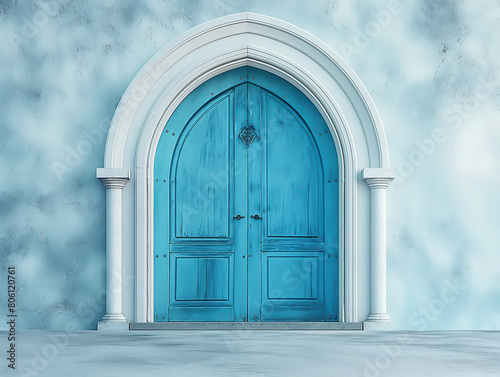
246	39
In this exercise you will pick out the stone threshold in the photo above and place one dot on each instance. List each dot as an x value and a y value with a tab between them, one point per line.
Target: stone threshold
332	326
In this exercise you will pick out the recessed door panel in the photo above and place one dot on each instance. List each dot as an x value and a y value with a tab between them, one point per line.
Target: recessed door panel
293	277
293	174
293	286
201	184
201	279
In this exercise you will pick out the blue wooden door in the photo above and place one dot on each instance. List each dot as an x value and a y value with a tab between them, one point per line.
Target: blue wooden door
246	205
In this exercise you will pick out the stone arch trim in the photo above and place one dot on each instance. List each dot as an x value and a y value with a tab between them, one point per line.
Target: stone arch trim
216	47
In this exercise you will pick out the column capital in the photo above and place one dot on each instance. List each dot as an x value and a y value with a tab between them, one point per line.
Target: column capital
113	178
378	178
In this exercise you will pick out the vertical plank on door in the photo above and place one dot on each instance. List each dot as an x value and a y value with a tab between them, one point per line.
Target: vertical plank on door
240	206
255	205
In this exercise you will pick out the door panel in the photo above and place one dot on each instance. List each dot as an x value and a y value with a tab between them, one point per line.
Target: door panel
293	286
201	183
201	287
280	265
293	277
209	278
292	172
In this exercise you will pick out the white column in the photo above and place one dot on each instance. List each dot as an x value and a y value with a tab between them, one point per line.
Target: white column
114	180
378	179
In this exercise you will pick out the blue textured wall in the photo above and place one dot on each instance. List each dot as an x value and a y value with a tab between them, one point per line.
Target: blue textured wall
432	68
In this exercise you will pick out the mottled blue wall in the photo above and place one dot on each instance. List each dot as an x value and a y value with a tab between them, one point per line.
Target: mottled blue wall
432	67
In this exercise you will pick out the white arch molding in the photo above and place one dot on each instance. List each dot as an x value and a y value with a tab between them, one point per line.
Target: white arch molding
246	39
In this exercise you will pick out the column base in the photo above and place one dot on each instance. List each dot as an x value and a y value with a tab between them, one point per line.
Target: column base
378	317
378	322
113	322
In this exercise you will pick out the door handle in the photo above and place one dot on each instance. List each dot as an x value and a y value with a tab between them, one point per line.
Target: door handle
256	217
239	217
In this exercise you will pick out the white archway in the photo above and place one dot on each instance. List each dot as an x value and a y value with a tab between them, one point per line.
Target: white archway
169	76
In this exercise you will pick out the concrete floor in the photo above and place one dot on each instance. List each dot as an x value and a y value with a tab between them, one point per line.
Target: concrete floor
255	353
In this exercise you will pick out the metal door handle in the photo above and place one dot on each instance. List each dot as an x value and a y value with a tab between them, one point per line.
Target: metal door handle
256	217
239	217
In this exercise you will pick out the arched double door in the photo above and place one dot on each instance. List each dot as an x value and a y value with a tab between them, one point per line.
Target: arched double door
246	205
